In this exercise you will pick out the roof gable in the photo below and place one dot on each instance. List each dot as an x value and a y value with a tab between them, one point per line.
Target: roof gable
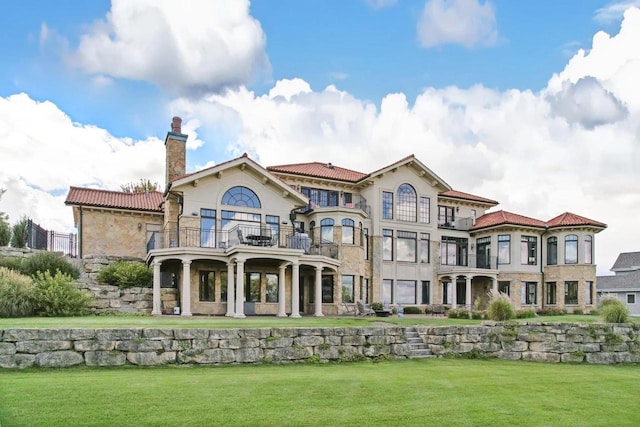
627	261
423	171
454	194
149	201
319	170
501	217
569	219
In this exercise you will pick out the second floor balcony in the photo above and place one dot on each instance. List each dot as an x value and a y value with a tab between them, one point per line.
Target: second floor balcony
470	262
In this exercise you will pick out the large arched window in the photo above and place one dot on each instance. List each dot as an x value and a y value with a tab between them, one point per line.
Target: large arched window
241	196
571	249
347	231
406	203
326	230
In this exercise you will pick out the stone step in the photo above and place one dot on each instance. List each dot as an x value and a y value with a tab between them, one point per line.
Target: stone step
418	348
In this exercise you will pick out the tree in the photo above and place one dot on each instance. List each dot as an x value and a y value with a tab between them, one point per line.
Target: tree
5	230
20	233
139	187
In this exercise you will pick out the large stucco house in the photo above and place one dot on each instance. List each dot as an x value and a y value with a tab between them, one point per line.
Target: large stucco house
625	284
313	238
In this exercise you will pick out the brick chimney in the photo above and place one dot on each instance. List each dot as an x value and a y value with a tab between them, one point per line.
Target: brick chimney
175	145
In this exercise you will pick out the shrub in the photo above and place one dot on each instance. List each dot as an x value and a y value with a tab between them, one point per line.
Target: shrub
16	294
577	311
48	262
552	311
12	263
612	310
458	313
478	314
500	307
126	274
19	233
526	313
5	232
57	295
412	310
376	306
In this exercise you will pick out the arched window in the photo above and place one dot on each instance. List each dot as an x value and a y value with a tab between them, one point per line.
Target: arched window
326	230
241	196
406	203
552	251
571	249
588	249
347	231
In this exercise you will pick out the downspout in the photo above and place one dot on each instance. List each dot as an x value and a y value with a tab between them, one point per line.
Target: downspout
544	284
80	234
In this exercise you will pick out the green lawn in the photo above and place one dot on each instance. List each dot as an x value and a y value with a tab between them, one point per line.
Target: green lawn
412	392
122	321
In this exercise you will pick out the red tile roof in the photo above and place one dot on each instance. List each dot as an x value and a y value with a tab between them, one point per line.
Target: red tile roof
115	199
568	219
466	196
320	170
503	217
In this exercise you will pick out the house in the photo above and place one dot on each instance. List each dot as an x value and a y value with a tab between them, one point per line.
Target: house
625	284
238	239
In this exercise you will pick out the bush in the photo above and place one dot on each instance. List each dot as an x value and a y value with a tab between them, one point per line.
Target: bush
12	263
577	311
412	310
57	295
500	307
5	232
16	294
526	313
19	233
458	313
552	311
476	314
48	262
126	274
612	310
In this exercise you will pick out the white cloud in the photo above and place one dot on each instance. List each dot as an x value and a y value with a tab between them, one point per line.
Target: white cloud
465	22
380	4
185	48
614	11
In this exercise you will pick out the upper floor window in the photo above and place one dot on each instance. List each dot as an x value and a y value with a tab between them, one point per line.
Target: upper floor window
529	250
347	231
424	247
320	198
241	196
552	251
326	230
407	203
425	210
446	216
387	205
504	249
483	254
571	249
387	245
407	242
207	228
588	249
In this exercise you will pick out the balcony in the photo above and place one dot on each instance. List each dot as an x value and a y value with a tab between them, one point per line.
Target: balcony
462	224
357	202
471	263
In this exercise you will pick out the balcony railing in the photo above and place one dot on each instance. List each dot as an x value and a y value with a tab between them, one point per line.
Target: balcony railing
357	202
463	224
473	261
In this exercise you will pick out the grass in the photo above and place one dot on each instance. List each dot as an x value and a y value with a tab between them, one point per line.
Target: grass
412	392
122	321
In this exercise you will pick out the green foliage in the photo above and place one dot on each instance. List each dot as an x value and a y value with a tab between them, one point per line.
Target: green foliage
526	313
458	313
48	262
12	263
577	311
612	310
478	314
139	187
57	296
377	306
126	274
412	310
500	307
19	233
5	232
16	294
552	311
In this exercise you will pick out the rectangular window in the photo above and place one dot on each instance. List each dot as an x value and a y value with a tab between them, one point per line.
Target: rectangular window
446	217
207	228
631	298
387	291
483	254
365	242
588	249
426	298
504	249
552	251
387	245
589	293
571	293
406	292
425	242
504	287
273	222
223	286
551	293
453	251
571	249
272	287
347	289
446	292
327	289
364	291
529	294
207	286
387	205
406	246
425	210
529	250
252	287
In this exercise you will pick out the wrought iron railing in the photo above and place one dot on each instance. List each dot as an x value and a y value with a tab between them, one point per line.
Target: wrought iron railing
472	261
52	241
463	224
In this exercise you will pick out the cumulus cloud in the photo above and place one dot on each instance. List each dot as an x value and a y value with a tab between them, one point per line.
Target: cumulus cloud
183	47
465	22
614	11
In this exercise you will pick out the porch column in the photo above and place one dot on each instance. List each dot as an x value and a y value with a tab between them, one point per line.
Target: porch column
295	290
231	295
318	292
240	290
157	305
468	294
494	284
454	292
282	309
186	288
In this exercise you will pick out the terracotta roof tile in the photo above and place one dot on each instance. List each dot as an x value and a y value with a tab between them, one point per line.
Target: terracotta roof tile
569	219
115	199
503	217
320	170
466	196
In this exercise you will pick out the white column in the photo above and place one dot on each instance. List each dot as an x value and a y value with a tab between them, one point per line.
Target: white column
231	299
468	292
494	284
240	289
282	309
295	290
157	305
186	288
318	291
454	292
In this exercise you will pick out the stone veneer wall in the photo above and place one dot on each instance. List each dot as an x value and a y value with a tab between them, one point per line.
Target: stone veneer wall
542	342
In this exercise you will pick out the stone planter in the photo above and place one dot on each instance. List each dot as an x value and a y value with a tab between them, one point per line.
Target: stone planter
383	313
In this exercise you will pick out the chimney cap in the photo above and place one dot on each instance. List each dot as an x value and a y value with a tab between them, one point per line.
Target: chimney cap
176	125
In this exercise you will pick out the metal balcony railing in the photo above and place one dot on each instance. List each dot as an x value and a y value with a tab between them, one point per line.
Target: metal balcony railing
463	224
472	261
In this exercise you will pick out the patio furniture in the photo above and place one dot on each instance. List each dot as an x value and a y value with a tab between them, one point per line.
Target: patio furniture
364	309
349	311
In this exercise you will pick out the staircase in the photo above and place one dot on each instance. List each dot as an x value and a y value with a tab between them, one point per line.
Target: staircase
418	348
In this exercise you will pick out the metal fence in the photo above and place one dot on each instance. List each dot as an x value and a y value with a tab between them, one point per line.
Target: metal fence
52	241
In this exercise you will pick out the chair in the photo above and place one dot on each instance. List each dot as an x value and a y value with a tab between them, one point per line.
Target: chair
349	311
241	237
364	309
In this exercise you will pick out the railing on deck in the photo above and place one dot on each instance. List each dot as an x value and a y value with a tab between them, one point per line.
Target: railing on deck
50	240
463	224
357	202
473	261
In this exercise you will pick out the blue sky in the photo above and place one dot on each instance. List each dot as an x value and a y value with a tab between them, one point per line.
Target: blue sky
496	96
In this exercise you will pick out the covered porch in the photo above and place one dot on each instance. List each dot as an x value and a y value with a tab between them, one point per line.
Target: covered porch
464	289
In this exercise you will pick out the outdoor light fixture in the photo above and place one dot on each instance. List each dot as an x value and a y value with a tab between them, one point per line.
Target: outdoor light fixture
139	226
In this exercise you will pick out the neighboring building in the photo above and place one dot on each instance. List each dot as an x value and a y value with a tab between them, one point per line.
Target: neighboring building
306	238
625	285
